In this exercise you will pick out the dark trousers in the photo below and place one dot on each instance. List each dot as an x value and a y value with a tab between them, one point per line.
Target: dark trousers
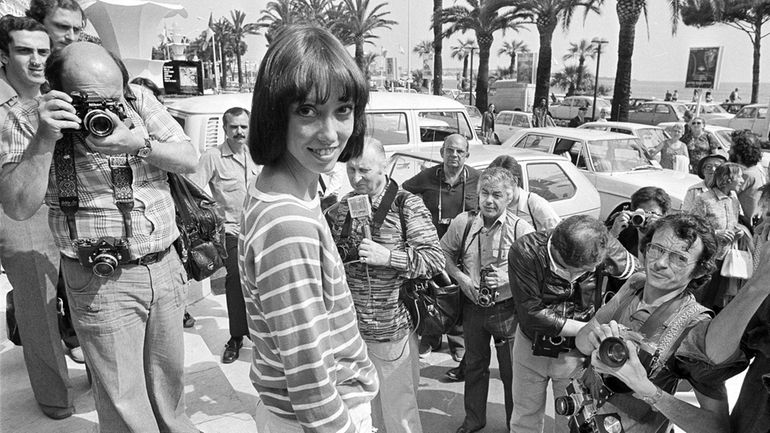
481	325
236	305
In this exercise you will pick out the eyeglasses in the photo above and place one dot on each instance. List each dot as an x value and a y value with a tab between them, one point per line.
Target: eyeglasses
676	260
458	152
697	123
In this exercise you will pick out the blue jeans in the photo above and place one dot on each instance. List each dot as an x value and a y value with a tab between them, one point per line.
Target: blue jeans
394	409
481	325
130	328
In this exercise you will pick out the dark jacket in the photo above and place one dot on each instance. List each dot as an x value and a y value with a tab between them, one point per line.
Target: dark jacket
544	301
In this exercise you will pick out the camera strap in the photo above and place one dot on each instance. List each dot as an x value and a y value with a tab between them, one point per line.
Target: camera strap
463	178
67	183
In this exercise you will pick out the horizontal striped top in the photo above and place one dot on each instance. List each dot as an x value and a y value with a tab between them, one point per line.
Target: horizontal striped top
309	361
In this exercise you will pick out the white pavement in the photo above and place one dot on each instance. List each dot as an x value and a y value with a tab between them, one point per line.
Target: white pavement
220	398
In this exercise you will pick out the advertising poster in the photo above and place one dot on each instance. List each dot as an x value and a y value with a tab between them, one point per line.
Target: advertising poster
182	77
525	68
703	68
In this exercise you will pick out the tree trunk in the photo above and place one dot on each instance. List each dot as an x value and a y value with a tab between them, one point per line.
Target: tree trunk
543	81
465	85
755	66
360	55
240	71
438	46
482	79
622	91
513	63
223	78
579	83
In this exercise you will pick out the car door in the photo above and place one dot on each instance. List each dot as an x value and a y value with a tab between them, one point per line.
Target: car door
643	114
567	190
744	119
663	113
503	127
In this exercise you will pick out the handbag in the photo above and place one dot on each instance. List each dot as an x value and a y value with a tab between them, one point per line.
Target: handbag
201	242
737	264
433	304
10	320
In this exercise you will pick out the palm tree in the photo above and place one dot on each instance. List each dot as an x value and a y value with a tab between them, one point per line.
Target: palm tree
314	11
484	18
357	22
222	29
277	14
438	46
460	52
238	33
511	49
580	51
424	49
571	78
547	15
369	59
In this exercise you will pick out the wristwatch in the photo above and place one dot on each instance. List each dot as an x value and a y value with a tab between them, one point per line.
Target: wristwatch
145	151
652	399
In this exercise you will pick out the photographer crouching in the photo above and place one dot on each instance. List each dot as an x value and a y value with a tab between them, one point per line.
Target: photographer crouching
99	153
653	314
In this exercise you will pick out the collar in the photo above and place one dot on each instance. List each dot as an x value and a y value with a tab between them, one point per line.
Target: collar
7	93
658	302
557	269
442	178
478	222
719	194
228	151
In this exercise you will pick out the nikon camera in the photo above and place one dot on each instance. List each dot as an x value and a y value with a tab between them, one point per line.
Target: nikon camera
93	113
103	255
581	406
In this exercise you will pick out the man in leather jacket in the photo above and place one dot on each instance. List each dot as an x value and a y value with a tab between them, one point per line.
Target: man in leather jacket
552	276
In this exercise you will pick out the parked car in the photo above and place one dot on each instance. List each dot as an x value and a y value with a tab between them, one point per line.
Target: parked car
753	117
710	111
635	102
401	121
651	136
733	107
615	163
508	122
652	113
568	108
476	118
550	176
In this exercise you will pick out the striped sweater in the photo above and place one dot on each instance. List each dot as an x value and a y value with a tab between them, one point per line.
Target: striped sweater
309	361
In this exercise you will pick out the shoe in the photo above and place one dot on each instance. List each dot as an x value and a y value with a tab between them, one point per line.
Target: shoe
425	351
54	412
231	352
456	374
463	429
458	354
188	321
76	354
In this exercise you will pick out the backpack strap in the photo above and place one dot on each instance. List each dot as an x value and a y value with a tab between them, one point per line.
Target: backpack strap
466	232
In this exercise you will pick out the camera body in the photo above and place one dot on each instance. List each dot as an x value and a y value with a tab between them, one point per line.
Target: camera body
581	406
103	256
551	347
93	113
638	218
487	295
348	250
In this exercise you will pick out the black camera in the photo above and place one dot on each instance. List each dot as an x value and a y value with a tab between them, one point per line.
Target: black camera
639	218
348	250
551	346
487	295
103	255
93	113
581	405
613	352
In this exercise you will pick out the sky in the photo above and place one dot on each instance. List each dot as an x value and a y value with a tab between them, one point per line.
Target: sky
658	56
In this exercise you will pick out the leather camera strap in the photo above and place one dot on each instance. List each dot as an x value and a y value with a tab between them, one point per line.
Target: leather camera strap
122	179
67	181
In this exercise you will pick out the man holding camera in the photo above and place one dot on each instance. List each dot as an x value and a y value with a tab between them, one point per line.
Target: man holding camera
629	225
476	250
112	217
553	282
228	170
447	189
653	314
385	238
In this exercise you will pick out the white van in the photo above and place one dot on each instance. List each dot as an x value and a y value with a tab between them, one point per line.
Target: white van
511	95
401	121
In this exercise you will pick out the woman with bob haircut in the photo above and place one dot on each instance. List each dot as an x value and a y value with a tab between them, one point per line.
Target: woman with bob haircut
309	365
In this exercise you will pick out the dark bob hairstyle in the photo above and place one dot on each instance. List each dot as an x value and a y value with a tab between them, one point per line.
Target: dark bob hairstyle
300	60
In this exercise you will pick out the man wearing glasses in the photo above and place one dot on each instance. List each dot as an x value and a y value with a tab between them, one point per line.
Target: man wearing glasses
655	313
447	189
699	142
629	225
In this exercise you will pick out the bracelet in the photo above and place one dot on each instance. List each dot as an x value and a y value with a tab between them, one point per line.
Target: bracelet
652	400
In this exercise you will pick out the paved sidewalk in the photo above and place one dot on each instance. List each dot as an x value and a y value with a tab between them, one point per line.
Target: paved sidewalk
220	398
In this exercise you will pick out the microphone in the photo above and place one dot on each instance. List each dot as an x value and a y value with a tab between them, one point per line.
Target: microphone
361	210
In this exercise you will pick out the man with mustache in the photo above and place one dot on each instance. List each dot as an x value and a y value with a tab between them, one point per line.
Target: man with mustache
228	169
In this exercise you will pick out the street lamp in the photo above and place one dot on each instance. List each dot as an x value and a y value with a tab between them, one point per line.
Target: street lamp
598	42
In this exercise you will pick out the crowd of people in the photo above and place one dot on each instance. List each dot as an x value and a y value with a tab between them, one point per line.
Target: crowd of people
317	285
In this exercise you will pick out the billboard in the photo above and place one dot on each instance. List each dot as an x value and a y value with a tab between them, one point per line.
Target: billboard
182	77
703	68
525	68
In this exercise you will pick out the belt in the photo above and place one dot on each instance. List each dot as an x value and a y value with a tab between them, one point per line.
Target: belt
149	259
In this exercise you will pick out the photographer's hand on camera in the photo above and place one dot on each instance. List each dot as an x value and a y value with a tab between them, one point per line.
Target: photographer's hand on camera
121	141
373	254
56	115
632	372
598	333
621	223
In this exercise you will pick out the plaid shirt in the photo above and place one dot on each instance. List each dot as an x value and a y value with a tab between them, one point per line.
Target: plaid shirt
153	216
381	315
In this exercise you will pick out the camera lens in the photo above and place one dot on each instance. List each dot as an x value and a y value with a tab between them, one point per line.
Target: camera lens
637	220
613	352
612	424
565	405
104	265
98	123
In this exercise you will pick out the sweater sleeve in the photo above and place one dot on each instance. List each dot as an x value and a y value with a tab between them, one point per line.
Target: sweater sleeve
290	279
422	256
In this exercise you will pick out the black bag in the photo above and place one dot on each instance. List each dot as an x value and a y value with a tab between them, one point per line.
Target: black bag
201	243
433	304
10	320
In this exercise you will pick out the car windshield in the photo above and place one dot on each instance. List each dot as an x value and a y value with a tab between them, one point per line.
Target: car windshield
680	108
651	137
617	155
473	111
601	103
725	136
